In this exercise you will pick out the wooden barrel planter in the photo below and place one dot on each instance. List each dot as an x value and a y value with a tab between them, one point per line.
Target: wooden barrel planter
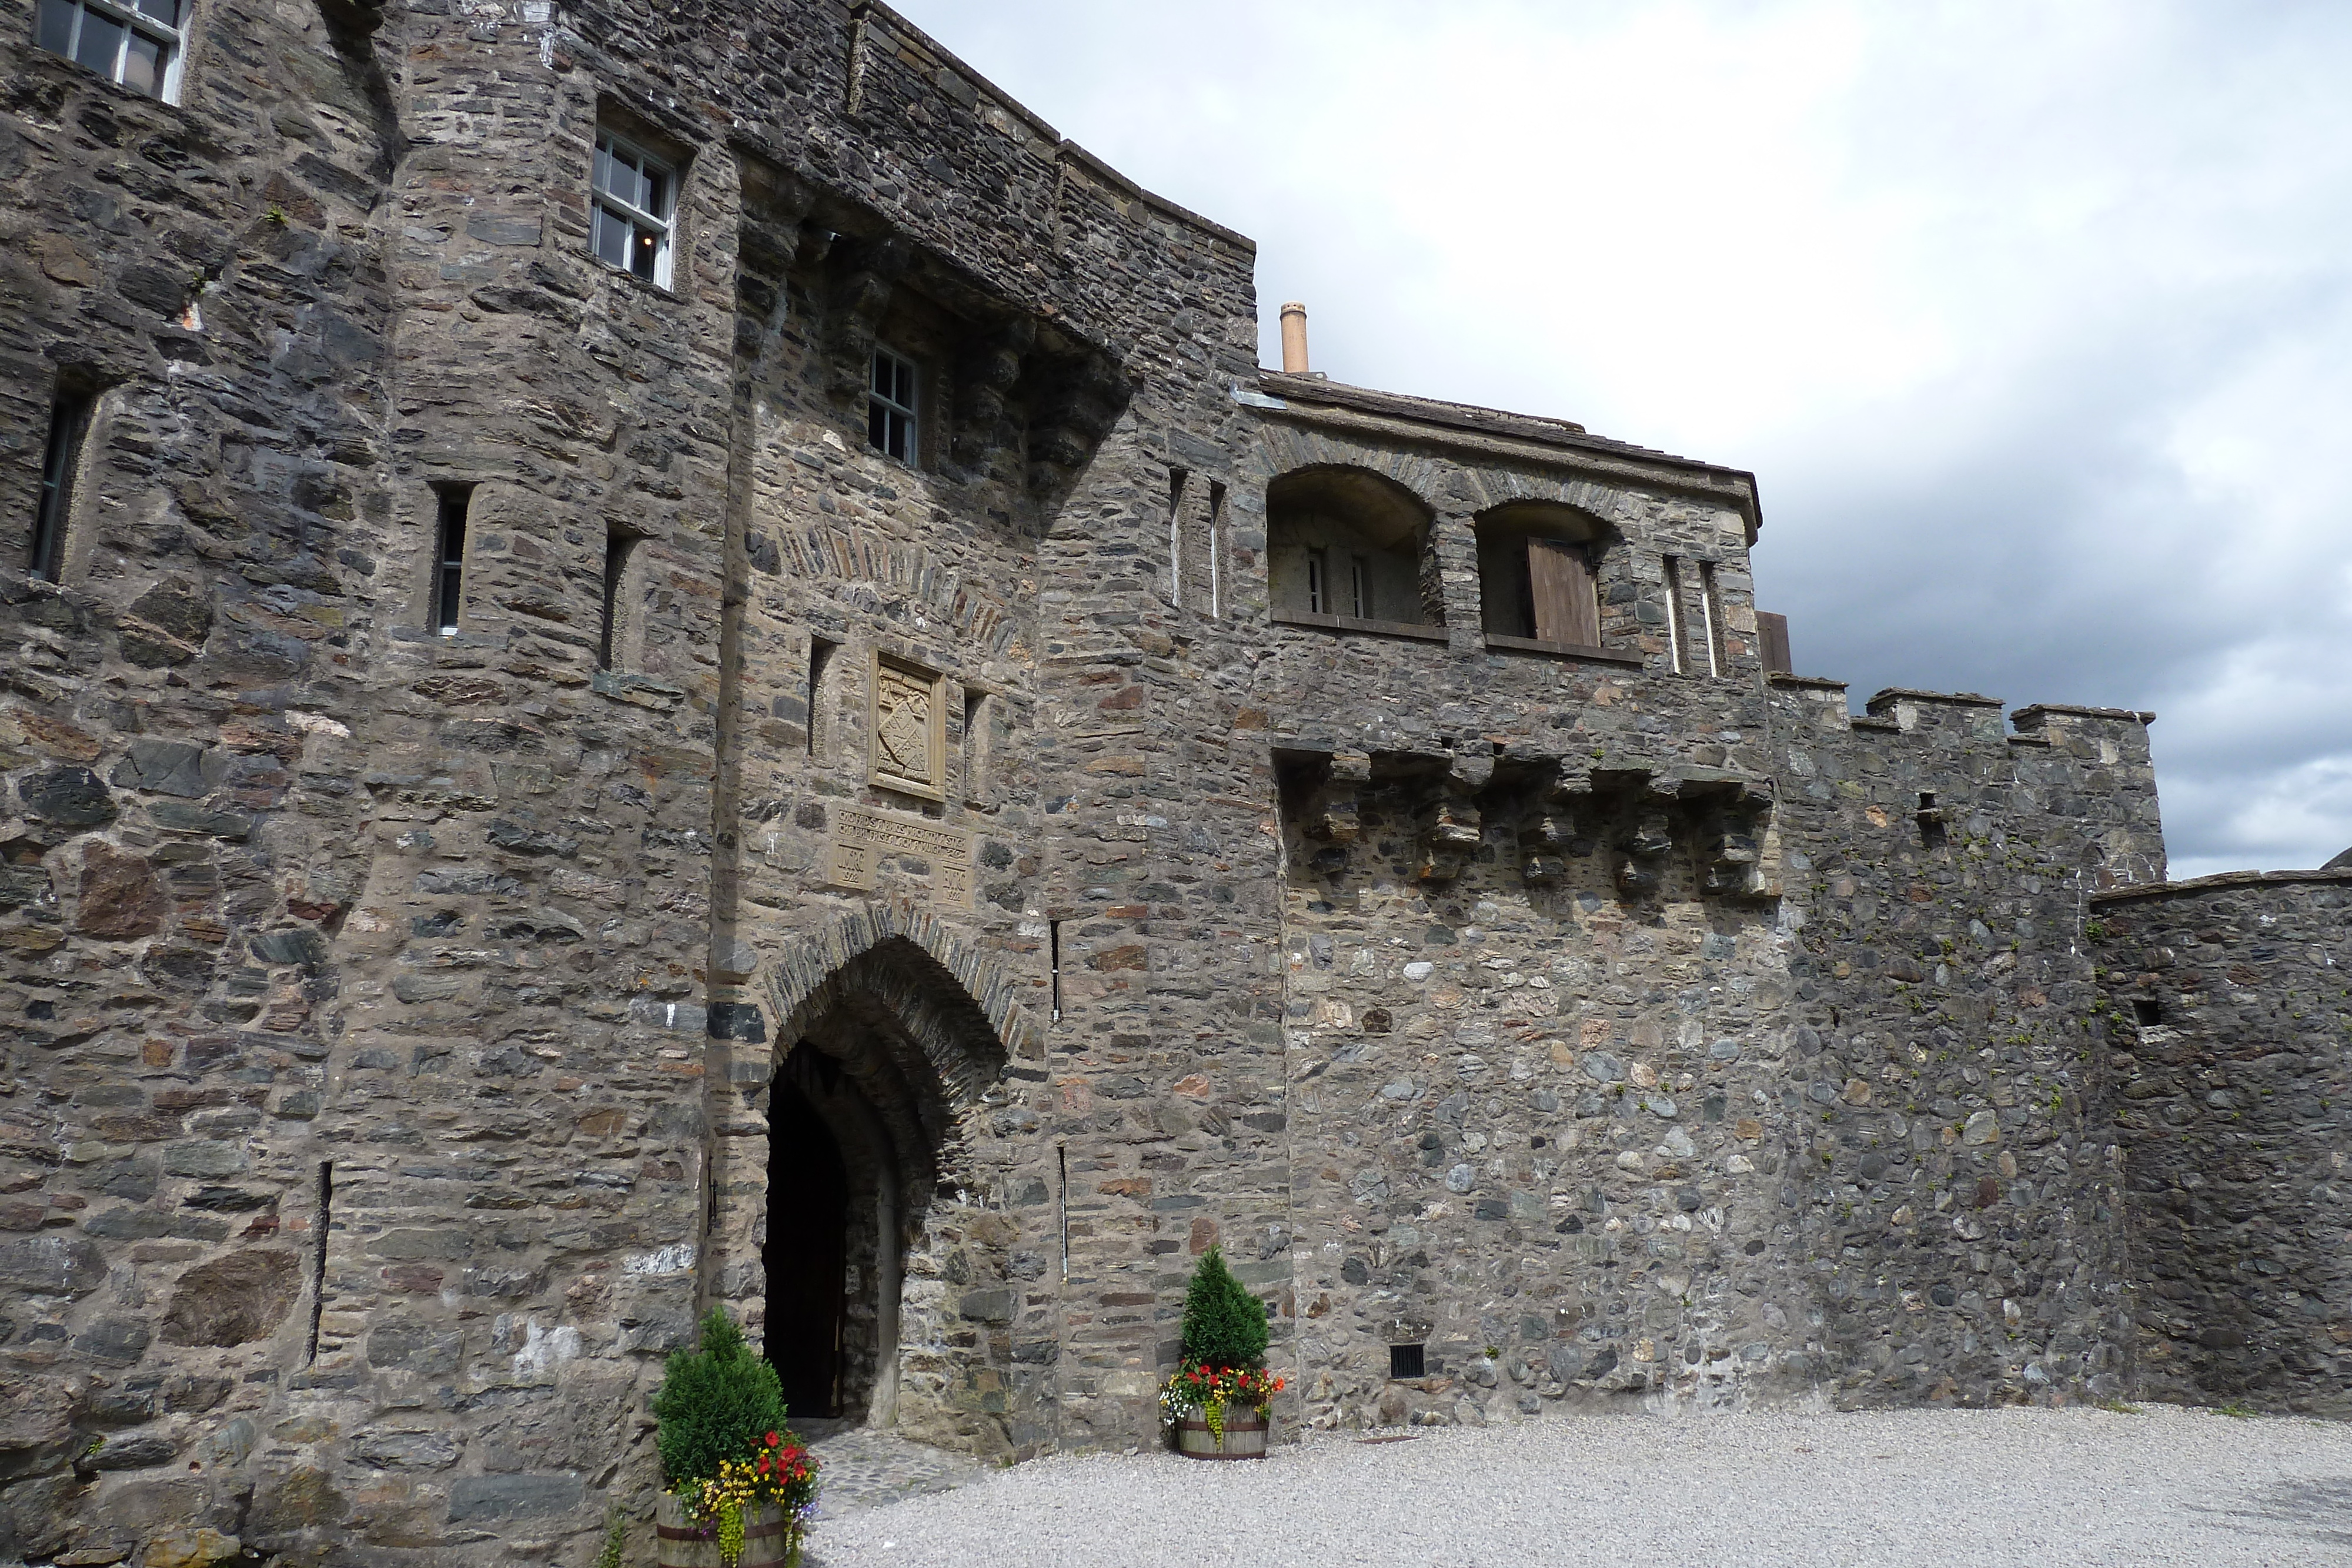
1244	1437
766	1542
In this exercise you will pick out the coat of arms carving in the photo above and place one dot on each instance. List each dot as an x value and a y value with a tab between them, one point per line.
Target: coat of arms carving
909	732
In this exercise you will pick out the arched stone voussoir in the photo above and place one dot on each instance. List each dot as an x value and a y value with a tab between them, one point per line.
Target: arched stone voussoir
1491	487
1288	451
976	1021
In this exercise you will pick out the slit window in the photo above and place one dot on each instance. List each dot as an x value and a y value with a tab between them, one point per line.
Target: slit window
135	45
890	406
1710	613
975	746
1217	547
68	423
319	1255
635	195
821	652
449	560
1677	635
1054	963
620	599
1408	1361
1360	587
1176	477
1319	582
2146	1012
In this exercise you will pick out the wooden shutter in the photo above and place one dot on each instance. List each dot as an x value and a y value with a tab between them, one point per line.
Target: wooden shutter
1772	631
1560	582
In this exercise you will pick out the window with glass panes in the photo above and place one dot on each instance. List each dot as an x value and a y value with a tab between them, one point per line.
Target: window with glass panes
136	43
634	195
891	406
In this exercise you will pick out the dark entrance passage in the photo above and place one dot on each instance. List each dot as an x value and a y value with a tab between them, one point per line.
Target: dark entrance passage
806	1254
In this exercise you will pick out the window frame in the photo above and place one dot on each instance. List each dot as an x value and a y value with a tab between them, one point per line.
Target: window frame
172	37
453	506
908	413
615	146
72	415
619	639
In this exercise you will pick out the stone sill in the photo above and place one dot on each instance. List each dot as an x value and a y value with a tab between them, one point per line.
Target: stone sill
1496	639
1350	624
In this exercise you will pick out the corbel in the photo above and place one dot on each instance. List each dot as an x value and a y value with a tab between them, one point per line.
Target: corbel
1331	812
986	373
1450	833
859	298
1078	412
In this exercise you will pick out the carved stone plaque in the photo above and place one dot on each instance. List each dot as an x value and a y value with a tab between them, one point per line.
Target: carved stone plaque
862	837
909	736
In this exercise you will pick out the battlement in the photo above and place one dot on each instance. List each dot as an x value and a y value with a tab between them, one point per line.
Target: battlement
1965	717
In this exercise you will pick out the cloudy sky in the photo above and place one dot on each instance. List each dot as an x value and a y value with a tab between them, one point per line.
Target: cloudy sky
2033	320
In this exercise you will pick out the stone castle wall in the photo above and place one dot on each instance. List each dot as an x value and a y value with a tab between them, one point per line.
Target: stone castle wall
2227	1015
1951	1163
397	1019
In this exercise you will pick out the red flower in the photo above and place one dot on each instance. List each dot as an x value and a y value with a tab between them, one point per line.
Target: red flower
771	1439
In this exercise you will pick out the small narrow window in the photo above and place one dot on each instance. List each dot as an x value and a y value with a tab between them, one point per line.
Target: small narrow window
1176	477
975	746
1677	639
635	194
319	1254
1319	582
1360	587
1216	548
2146	1012
1062	1204
1054	963
449	560
821	652
1407	1361
1710	613
133	43
890	406
68	421
620	554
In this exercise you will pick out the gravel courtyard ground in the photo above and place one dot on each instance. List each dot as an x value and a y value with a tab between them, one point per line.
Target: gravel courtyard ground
2052	1488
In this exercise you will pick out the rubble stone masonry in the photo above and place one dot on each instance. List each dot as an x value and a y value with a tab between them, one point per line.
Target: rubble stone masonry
531	809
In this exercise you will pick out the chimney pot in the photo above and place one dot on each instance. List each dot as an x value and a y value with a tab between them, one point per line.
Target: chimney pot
1294	338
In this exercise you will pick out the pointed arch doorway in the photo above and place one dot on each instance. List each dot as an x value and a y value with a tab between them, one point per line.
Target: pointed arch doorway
866	1243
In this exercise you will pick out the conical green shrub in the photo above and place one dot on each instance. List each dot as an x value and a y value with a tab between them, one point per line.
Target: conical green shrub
716	1403
1225	1325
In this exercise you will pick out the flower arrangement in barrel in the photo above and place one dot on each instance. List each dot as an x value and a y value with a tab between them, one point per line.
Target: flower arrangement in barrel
1223	1366
726	1452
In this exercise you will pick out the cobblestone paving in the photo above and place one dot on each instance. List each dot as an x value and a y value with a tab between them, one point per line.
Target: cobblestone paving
864	1469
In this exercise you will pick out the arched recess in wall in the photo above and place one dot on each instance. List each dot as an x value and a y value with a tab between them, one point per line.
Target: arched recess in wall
1540	569
1347	542
871	1238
